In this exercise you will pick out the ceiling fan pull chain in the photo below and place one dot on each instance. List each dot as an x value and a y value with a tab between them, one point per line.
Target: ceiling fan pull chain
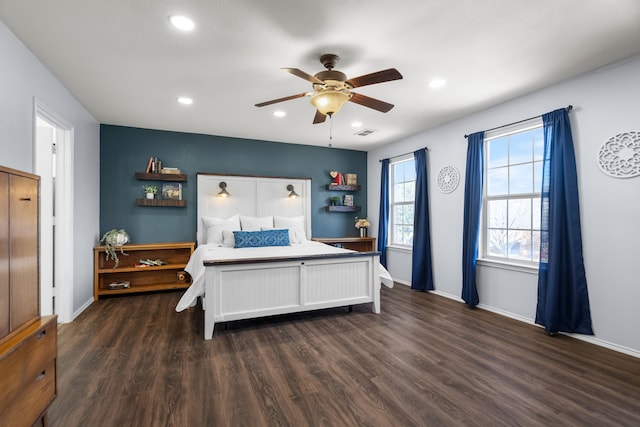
330	129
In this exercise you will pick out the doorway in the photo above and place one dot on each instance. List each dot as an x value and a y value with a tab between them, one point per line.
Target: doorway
52	162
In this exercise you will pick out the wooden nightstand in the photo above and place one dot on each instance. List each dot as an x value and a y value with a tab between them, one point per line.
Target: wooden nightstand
360	244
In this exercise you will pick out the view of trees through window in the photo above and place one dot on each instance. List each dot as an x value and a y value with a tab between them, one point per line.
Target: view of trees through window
403	185
512	202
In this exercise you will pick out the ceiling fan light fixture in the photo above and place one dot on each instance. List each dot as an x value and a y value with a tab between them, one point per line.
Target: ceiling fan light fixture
329	102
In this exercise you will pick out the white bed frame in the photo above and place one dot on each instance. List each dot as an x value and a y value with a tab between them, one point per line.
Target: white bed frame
250	288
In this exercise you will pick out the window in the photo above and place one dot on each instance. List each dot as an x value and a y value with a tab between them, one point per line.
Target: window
403	185
513	169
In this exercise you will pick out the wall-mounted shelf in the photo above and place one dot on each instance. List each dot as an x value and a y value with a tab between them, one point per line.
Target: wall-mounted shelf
343	208
173	177
162	202
181	177
344	187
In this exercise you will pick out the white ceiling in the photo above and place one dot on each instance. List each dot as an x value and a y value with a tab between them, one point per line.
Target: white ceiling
126	65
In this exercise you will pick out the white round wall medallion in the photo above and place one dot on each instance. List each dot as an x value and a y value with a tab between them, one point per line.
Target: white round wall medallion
619	157
448	179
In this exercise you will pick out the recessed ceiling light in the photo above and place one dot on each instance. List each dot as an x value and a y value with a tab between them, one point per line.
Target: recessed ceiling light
437	83
356	124
182	22
184	100
279	113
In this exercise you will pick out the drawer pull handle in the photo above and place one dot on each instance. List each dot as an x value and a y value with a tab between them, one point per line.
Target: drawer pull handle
42	334
25	199
41	376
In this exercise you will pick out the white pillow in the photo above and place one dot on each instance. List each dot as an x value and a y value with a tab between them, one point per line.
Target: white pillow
215	226
255	223
295	225
227	238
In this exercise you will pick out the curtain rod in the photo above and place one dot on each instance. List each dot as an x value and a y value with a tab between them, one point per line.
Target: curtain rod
569	108
400	155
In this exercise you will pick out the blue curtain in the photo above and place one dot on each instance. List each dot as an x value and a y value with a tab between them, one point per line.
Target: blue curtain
383	217
421	271
472	210
563	300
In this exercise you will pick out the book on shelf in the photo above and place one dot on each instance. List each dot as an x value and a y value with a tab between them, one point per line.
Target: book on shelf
170	170
172	191
154	165
148	170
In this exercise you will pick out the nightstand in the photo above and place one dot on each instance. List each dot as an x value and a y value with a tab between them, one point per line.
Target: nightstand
360	244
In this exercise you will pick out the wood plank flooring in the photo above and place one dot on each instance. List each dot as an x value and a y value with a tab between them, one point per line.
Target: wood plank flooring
423	361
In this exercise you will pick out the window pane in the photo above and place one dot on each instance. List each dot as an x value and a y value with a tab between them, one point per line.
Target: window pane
520	213
397	234
398	211
537	177
410	170
497	243
407	235
521	179
407	218
497	213
538	144
520	244
398	193
520	148
498	153
497	182
535	213
410	191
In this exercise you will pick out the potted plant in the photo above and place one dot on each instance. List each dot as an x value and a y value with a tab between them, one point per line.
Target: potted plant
150	190
111	240
335	201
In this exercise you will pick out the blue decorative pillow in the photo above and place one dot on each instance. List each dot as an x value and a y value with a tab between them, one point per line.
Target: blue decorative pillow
257	239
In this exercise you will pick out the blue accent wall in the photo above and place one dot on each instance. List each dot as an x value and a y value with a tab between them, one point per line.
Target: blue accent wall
125	151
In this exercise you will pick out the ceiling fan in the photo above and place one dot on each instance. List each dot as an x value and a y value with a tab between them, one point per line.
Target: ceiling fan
331	89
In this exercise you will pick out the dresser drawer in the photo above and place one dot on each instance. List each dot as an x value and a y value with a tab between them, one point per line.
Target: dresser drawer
28	365
32	400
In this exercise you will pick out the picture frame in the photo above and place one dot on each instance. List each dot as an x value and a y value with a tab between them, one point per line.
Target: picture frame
347	200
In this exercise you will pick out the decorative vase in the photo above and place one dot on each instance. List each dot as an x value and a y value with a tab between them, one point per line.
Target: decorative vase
363	232
150	195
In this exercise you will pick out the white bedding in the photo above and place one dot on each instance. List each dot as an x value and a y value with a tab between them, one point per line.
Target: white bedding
212	252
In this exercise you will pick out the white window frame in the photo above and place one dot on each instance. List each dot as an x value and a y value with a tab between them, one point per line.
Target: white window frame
484	257
392	164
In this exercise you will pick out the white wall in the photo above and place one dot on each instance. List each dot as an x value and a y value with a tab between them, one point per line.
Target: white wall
22	79
605	104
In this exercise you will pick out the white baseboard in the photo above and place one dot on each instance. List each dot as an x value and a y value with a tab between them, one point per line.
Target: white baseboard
587	338
81	309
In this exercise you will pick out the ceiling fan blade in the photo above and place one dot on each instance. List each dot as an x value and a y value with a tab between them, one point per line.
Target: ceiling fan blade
319	118
286	98
367	101
303	75
377	77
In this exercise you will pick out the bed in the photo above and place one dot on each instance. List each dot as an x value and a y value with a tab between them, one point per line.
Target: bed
238	276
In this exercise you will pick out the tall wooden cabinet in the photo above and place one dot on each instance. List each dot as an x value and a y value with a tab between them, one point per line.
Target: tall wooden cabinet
28	343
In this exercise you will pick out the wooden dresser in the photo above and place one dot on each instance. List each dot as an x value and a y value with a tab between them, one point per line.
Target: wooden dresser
28	379
28	342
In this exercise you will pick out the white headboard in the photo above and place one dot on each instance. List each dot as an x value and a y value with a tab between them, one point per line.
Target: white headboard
252	196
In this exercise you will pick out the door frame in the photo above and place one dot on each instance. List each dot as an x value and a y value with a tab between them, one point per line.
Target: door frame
64	234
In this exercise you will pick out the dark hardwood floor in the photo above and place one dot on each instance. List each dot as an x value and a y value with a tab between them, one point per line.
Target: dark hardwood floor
423	361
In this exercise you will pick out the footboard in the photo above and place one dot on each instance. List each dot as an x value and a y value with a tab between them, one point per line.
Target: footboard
251	288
